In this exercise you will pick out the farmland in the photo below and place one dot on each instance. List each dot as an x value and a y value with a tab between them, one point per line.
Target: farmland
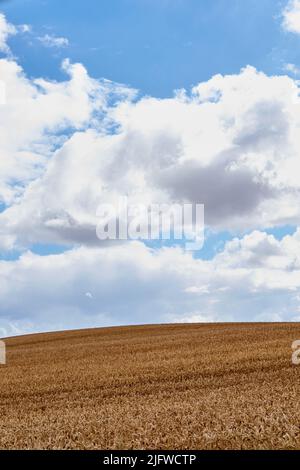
204	386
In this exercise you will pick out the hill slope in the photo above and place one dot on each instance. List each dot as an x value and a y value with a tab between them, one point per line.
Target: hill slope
172	386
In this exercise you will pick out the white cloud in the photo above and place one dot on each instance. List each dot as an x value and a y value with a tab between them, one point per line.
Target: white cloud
25	28
161	150
193	317
255	278
49	40
6	30
292	68
291	17
51	108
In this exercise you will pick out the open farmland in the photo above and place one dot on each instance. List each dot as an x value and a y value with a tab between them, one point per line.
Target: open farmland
218	386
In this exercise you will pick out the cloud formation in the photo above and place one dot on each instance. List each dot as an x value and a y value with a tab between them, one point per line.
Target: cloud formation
6	30
291	17
49	40
231	143
256	278
88	142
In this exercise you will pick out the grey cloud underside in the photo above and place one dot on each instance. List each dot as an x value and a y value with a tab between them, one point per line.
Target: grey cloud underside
264	126
224	187
225	192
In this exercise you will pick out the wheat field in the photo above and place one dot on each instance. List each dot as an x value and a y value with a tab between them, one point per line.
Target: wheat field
217	386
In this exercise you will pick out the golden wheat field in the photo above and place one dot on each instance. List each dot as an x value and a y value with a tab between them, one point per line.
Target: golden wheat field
217	386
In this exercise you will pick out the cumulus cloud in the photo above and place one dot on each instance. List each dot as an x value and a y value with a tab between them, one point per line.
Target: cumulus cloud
6	30
51	109
254	278
49	40
291	17
153	150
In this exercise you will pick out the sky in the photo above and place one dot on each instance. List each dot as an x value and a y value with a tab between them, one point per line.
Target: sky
156	46
162	101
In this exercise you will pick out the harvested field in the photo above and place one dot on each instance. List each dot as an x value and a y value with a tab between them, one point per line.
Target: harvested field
217	386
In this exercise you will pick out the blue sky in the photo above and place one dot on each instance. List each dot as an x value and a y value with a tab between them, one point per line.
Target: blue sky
156	46
75	133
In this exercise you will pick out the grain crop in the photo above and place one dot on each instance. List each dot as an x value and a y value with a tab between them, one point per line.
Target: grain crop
197	386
